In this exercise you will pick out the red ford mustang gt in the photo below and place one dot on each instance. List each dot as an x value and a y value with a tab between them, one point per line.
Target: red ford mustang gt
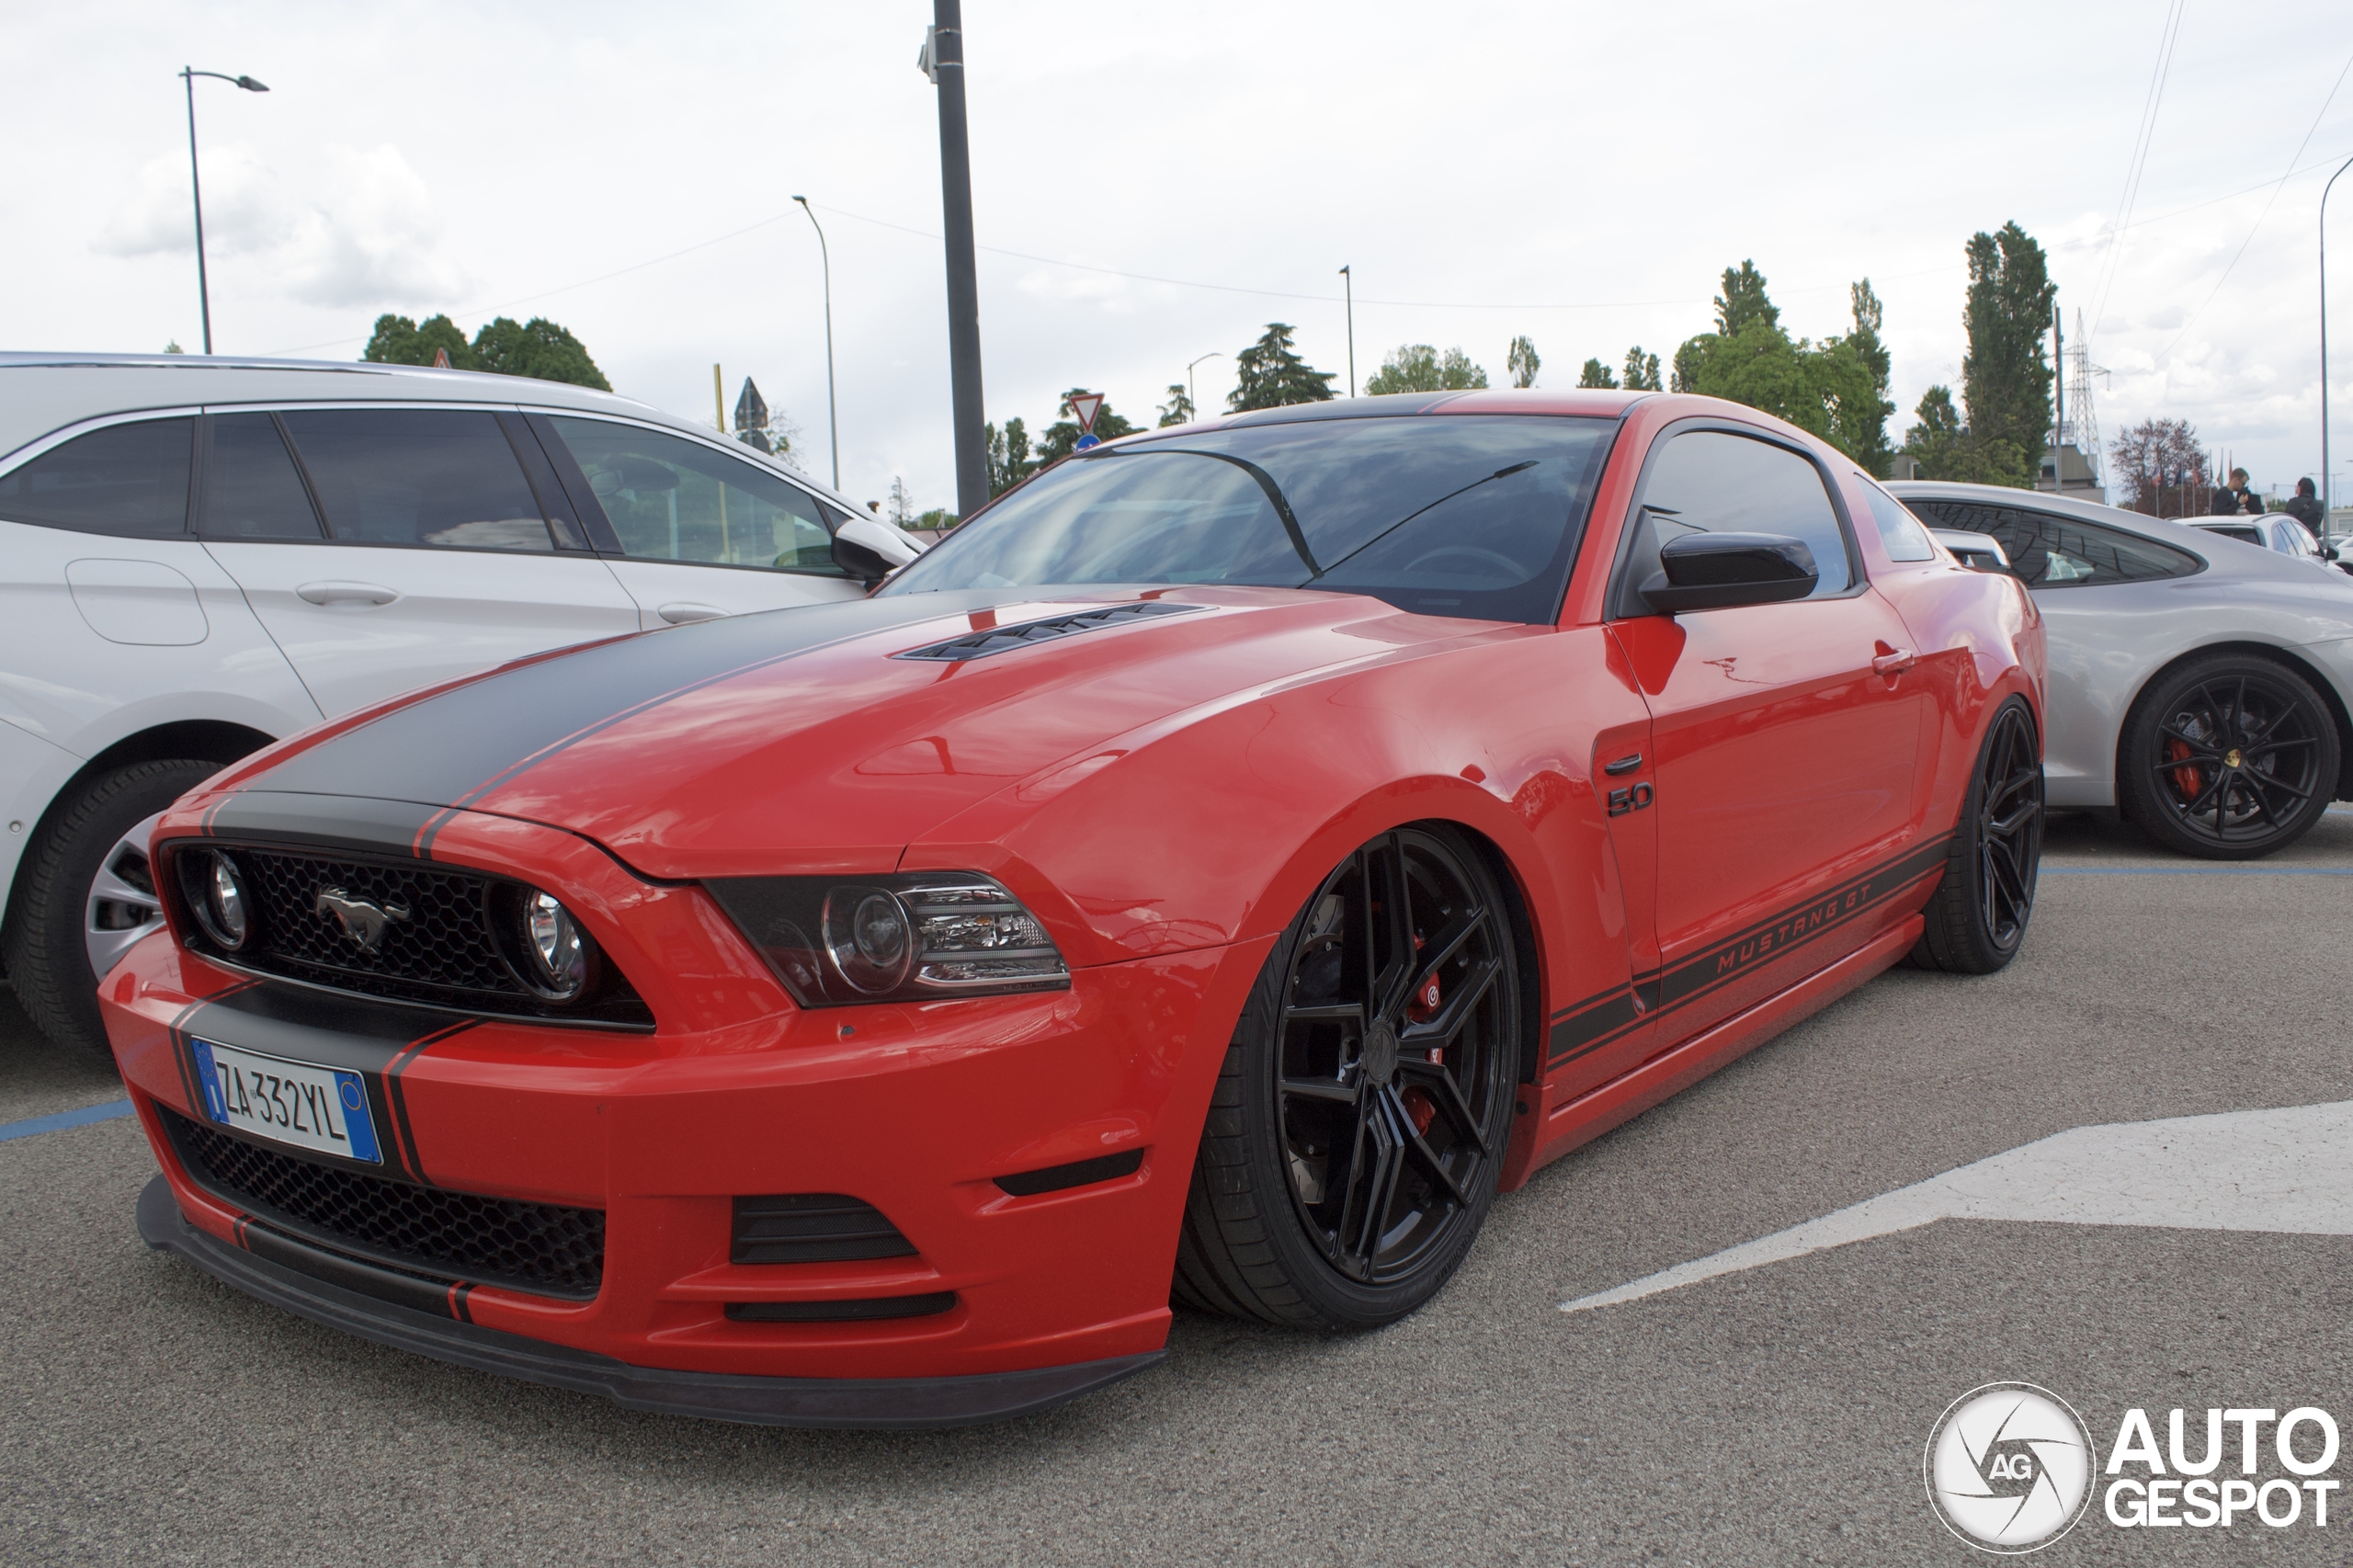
1215	871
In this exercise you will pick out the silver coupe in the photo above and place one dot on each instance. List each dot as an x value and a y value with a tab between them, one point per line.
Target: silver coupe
2199	687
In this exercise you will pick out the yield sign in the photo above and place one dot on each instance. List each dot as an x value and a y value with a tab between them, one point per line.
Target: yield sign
1085	407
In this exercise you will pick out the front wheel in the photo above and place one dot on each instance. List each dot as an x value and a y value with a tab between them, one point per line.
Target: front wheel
2228	758
1976	919
1359	1124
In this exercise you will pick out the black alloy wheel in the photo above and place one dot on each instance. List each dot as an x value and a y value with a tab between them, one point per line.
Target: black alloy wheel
1358	1125
2229	758
1976	920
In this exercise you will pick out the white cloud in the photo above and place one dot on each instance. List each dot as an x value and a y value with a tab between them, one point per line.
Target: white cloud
364	233
2167	319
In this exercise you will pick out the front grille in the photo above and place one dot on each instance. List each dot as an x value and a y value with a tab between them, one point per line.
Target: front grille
1004	639
442	952
541	1247
444	945
812	1227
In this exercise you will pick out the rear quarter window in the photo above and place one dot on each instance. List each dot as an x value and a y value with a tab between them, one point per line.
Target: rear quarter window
1899	530
2048	551
128	481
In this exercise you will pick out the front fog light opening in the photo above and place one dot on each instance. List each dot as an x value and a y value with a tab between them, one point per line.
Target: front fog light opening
906	938
543	944
216	896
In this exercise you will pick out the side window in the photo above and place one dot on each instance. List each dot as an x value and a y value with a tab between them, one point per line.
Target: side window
672	499
129	481
251	489
1898	530
427	476
1713	481
2051	551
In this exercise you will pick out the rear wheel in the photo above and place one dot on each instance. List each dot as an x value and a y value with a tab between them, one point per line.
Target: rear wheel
1359	1123
1977	917
85	894
2228	758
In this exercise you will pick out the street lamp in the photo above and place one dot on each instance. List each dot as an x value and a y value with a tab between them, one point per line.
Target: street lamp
2327	498
1348	281
203	292
1189	395
833	425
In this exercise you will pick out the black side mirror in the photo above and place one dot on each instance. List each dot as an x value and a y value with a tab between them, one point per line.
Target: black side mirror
866	565
1703	571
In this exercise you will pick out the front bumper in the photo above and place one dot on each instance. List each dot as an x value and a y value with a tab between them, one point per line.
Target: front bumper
916	1111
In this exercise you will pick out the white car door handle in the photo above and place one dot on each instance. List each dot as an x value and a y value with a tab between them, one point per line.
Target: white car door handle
344	592
678	613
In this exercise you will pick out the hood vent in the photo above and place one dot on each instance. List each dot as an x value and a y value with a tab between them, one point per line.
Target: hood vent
1004	639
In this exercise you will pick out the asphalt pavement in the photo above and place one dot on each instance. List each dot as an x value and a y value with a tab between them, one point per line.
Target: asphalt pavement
1771	1415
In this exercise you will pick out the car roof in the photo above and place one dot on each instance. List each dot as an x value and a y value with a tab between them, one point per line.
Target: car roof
44	393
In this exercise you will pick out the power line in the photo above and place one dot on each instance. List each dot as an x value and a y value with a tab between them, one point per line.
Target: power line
2259	217
2149	104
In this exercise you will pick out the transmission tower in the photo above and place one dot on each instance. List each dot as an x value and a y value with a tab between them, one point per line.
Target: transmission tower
2080	423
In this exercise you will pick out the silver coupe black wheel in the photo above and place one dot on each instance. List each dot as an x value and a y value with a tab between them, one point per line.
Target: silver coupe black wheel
2229	758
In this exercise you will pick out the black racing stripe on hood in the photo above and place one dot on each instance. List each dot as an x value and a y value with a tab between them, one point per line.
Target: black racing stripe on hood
453	749
387	827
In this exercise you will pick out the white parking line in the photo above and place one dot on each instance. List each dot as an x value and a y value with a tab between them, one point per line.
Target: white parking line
2288	1170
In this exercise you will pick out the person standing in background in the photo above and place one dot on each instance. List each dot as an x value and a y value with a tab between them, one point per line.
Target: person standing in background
2237	498
2304	506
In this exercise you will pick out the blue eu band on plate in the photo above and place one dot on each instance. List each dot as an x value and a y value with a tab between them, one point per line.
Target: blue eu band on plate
324	1109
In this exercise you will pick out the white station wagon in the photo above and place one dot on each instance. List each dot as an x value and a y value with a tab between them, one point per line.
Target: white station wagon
200	556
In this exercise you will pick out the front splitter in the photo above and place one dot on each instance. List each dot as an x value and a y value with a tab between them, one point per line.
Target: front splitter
895	1403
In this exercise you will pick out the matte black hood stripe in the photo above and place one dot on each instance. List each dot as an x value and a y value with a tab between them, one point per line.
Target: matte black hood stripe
453	749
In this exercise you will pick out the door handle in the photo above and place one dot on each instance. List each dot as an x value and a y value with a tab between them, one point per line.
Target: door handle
678	614
1893	663
344	592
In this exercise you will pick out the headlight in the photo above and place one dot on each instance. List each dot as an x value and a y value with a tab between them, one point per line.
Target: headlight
543	943
216	895
925	935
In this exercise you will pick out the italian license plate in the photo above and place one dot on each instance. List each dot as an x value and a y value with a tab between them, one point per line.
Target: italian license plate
324	1109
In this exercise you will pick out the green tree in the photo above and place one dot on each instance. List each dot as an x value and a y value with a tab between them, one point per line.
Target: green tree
1832	391
1948	450
1859	421
1641	370
1178	409
1419	368
1596	374
1062	436
2006	375
399	341
1009	460
538	349
1270	374
1522	361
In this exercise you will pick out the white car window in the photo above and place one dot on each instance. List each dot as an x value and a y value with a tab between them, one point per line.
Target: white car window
129	481
446	478
672	499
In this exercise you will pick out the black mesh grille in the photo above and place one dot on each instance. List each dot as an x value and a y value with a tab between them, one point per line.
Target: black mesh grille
1004	639
539	1248
443	943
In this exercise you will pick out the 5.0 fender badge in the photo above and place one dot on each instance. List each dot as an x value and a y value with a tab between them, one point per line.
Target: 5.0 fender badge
364	920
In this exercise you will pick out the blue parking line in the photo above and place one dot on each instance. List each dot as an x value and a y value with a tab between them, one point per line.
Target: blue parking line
111	1111
2198	870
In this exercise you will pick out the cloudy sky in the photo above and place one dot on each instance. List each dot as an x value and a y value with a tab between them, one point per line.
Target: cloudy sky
1154	184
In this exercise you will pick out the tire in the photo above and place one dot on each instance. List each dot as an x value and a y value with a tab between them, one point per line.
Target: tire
1330	1106
2231	757
1977	917
83	896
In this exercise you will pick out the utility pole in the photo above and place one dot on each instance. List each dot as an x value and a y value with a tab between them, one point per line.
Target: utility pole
2058	398
188	74
943	61
2327	496
1348	282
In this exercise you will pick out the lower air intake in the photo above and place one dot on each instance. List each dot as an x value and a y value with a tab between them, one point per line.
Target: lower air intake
812	1227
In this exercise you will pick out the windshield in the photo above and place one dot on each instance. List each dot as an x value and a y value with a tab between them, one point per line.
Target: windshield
1476	515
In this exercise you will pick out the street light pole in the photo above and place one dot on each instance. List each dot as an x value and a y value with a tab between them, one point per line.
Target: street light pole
1190	395
196	186
2327	496
1348	282
832	423
943	61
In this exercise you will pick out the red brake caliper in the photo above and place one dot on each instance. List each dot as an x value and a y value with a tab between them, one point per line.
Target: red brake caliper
2185	779
1421	1009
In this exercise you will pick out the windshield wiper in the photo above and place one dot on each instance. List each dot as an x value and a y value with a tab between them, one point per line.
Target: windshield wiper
1266	481
1499	473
